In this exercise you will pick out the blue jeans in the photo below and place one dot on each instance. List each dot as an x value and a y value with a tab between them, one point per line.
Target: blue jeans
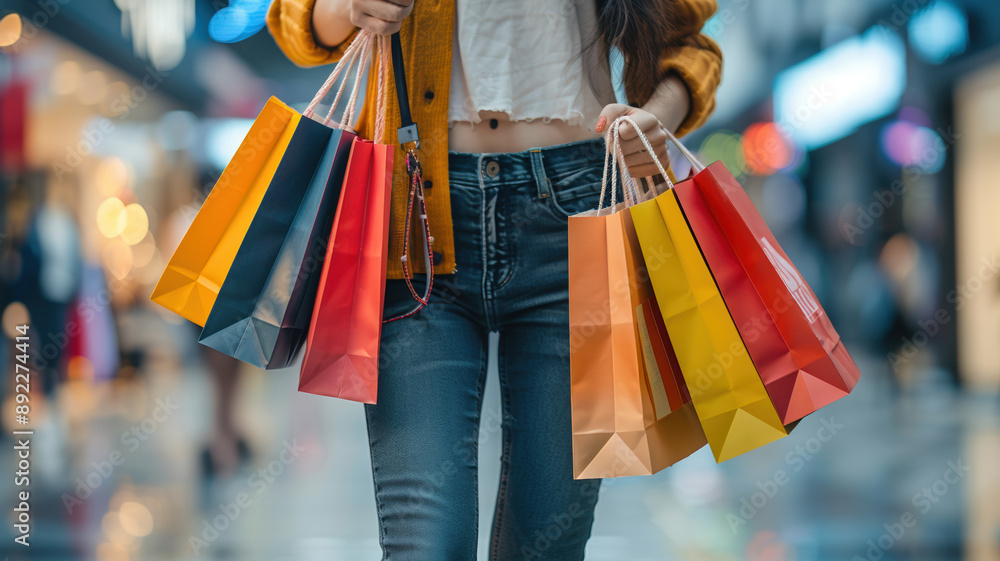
509	213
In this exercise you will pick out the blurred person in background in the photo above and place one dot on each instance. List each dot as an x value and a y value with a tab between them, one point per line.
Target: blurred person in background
226	448
512	99
45	270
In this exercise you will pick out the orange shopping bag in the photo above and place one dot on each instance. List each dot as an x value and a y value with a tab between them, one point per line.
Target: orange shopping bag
618	430
191	281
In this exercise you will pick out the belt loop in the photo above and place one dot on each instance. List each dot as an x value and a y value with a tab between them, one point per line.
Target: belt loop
538	170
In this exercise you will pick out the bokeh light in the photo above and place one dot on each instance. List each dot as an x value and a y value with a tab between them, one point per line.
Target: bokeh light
938	32
765	148
240	20
135	519
14	314
919	147
65	77
899	256
10	30
111	176
111	217
136	224
113	531
80	368
724	146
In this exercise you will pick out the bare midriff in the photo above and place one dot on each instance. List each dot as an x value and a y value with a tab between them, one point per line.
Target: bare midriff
497	133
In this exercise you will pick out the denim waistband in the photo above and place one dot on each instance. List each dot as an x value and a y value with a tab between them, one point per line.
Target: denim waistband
539	165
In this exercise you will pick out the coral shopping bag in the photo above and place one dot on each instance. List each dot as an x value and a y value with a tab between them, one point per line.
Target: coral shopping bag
341	357
262	313
617	428
728	395
798	354
190	283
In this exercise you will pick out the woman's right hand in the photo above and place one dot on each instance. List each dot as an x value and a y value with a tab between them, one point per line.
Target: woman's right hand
334	20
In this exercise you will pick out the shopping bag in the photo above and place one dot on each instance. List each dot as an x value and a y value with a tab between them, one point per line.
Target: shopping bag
262	313
728	395
799	355
617	429
256	316
664	380
190	283
341	358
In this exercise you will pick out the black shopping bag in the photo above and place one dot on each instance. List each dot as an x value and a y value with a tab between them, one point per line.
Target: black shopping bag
262	314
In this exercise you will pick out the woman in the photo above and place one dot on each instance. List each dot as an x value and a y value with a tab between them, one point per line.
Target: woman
511	99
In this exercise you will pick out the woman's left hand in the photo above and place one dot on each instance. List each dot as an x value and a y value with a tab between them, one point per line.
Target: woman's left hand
637	159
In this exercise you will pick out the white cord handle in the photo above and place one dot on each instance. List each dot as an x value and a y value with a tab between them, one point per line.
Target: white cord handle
695	164
357	53
614	154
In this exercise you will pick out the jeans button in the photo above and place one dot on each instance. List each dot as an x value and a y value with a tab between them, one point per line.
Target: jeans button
492	168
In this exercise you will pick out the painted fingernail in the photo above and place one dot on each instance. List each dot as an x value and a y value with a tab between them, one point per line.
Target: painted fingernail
601	122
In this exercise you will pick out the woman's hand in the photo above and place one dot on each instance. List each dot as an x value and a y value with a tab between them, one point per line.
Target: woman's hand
334	20
380	16
666	110
637	158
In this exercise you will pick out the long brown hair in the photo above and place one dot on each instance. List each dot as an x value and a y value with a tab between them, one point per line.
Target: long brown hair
641	30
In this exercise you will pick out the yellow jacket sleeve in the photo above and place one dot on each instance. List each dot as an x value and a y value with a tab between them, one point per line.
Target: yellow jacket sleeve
695	58
290	23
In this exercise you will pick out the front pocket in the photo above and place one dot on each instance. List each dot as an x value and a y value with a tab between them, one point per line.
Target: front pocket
576	199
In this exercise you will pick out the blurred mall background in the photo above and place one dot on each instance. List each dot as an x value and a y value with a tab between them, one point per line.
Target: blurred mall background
867	131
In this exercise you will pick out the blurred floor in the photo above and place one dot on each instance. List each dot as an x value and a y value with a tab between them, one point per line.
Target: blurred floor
873	476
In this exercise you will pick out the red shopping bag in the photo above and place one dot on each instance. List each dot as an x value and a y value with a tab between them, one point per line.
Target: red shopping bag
342	346
802	361
797	352
341	358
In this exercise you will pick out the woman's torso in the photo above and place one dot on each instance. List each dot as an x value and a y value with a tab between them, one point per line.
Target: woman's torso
525	75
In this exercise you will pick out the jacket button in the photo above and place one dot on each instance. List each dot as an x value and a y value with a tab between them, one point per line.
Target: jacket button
429	95
428	184
438	258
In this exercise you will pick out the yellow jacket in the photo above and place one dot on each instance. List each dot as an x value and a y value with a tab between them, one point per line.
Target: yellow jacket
427	59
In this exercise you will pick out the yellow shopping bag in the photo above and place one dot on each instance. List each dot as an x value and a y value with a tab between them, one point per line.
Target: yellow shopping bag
191	281
729	397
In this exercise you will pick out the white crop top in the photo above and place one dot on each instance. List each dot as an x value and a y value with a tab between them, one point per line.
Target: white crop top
524	59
